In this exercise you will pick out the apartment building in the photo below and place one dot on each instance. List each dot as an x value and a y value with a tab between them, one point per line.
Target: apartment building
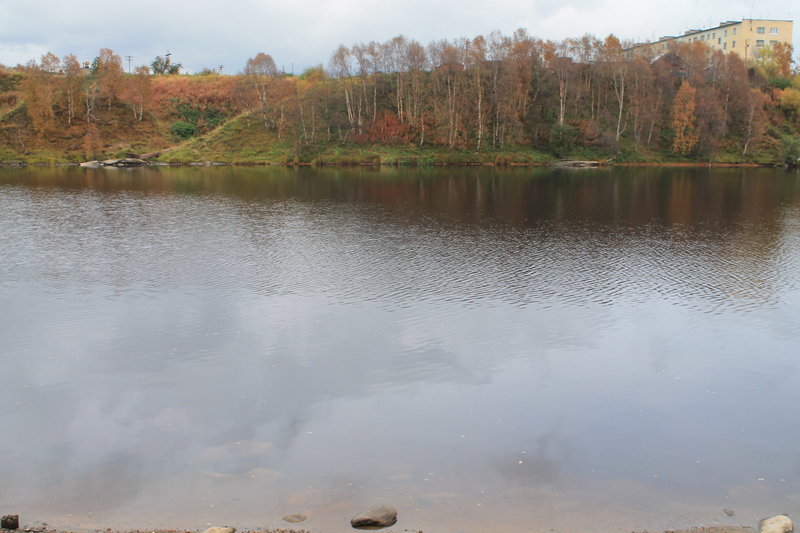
744	37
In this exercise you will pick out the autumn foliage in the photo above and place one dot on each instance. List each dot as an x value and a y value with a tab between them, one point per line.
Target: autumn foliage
684	121
481	94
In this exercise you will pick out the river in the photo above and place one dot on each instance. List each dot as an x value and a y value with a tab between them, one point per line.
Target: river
488	350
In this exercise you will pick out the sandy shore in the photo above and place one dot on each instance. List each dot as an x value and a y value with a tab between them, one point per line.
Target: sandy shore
44	529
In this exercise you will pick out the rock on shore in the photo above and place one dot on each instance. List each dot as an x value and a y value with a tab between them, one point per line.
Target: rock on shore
127	162
225	529
777	524
375	517
9	521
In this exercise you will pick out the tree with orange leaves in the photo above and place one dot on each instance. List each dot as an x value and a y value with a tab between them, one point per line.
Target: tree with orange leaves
137	91
108	72
684	121
782	56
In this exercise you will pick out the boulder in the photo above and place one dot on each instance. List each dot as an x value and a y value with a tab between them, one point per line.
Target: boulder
92	164
10	521
776	524
126	162
375	517
131	162
295	518
225	529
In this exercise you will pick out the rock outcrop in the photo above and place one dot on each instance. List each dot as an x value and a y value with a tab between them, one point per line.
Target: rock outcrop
127	162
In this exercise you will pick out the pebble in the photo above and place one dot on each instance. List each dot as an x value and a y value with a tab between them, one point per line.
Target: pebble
295	518
777	524
225	529
375	517
10	521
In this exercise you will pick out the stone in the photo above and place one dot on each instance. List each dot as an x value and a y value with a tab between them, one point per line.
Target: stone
10	521
126	162
776	524
225	529
728	512
92	164
376	517
131	162
295	518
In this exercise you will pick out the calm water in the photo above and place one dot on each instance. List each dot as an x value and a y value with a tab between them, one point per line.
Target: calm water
486	350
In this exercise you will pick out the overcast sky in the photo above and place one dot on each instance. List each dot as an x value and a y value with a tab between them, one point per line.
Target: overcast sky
202	33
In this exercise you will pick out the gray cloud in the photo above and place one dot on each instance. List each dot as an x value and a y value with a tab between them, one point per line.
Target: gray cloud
202	33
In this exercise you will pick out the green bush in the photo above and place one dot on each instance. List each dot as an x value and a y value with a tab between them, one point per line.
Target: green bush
780	82
791	150
562	139
182	130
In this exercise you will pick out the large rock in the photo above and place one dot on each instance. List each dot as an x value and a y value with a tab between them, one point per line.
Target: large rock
375	517
10	521
225	529
127	162
130	162
777	524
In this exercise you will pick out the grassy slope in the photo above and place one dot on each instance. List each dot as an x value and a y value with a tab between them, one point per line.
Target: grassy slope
238	142
121	134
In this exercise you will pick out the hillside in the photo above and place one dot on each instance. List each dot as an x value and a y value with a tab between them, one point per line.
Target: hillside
526	102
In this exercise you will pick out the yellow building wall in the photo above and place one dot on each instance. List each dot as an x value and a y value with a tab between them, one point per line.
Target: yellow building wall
745	38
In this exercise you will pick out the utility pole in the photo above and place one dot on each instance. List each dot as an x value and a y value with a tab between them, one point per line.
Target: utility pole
219	70
129	63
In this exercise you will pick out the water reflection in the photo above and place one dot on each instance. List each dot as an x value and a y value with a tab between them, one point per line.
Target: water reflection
483	348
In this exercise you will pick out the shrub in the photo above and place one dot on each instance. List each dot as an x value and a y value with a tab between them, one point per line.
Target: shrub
182	130
791	151
562	139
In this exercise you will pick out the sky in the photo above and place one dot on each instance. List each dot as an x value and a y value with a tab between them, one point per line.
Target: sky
304	33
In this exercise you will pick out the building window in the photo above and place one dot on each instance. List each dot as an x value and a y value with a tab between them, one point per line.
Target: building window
760	42
734	31
773	31
719	40
726	33
760	29
733	44
725	46
773	43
